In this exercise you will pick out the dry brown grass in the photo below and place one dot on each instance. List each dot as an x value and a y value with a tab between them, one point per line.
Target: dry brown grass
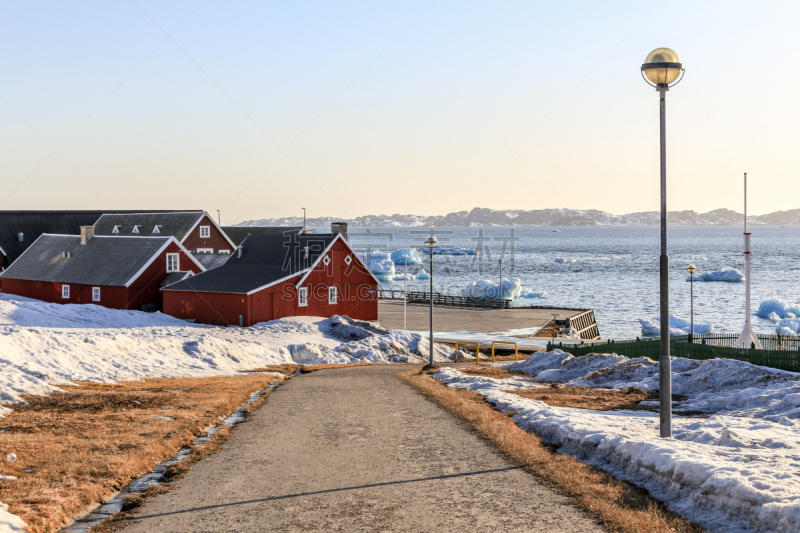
77	448
588	397
620	506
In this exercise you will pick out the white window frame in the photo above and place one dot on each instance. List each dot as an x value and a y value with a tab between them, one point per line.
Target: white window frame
135	229
205	232
326	260
115	230
205	250
177	259
302	297
95	294
225	252
348	260
332	295
65	292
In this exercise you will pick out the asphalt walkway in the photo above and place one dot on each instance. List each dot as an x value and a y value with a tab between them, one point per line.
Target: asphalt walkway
355	449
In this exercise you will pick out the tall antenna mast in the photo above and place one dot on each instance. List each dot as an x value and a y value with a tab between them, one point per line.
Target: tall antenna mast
748	337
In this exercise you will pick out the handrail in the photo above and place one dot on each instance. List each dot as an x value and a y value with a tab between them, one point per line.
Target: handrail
477	350
516	349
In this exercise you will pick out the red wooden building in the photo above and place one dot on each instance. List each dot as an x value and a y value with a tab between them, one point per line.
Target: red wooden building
117	272
275	276
195	230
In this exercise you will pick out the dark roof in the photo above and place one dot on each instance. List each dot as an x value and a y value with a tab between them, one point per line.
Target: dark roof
210	261
265	259
33	223
174	277
102	261
176	224
239	233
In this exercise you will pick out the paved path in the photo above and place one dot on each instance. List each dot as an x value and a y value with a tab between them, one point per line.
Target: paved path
355	449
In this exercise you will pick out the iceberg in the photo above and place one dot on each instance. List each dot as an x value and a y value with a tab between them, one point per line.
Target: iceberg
406	256
423	275
677	326
775	309
381	265
454	250
530	293
725	274
564	260
483	288
788	326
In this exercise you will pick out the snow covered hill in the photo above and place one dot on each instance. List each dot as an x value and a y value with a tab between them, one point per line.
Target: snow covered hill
539	217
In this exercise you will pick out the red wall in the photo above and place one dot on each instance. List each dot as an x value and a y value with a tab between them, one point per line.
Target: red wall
145	289
217	240
354	297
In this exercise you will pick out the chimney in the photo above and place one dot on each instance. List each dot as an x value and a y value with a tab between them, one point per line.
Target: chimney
340	228
87	232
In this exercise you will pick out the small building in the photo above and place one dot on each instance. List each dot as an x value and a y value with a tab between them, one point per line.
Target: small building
117	272
272	276
195	230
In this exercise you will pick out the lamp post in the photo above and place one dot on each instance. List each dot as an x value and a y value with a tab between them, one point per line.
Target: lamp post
500	287
663	68
431	241
691	269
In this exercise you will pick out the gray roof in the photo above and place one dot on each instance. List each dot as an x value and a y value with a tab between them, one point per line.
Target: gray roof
239	233
173	277
265	259
102	261
210	261
177	224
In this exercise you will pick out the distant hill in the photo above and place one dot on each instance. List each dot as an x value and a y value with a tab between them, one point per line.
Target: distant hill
540	217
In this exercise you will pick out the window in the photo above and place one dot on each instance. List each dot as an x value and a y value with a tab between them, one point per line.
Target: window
65	292
156	229
205	232
115	230
135	229
332	295
226	252
302	297
173	263
327	260
205	250
348	260
95	294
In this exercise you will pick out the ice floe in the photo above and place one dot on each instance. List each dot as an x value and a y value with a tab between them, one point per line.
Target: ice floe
677	326
406	256
775	309
484	288
725	274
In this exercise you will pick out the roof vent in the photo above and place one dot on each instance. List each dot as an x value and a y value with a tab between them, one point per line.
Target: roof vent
116	229
156	229
65	255
239	252
135	229
21	236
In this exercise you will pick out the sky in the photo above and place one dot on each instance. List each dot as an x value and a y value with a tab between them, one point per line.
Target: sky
259	109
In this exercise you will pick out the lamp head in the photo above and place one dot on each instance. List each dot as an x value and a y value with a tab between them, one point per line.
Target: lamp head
431	241
662	67
691	269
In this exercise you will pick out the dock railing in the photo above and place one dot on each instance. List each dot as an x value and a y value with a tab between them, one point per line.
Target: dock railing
779	351
419	297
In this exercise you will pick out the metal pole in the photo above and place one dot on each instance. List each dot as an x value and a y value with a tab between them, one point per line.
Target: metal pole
554	329
500	287
219	218
405	293
664	363
430	362
691	301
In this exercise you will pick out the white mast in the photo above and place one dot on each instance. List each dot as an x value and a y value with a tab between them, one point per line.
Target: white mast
747	337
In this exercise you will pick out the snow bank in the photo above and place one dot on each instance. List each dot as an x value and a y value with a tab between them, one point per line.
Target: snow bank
406	256
677	326
726	274
779	308
484	288
540	361
10	523
730	473
45	345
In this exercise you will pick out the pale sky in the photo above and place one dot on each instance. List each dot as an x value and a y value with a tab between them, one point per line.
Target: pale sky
417	106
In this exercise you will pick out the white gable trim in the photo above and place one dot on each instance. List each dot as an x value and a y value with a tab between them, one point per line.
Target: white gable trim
325	252
214	223
158	253
2	251
287	278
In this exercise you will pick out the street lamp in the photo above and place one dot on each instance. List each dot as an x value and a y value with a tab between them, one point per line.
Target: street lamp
691	269
663	68
431	241
500	287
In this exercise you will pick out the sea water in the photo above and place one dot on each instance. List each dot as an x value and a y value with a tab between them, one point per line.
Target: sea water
615	269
